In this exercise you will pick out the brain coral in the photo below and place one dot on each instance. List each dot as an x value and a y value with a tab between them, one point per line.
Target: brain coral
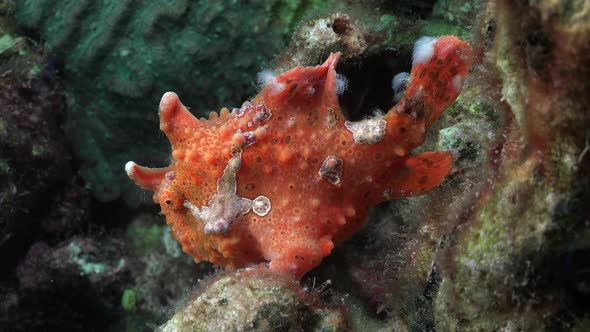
285	176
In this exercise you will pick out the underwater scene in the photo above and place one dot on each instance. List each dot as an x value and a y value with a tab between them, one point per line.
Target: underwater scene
294	165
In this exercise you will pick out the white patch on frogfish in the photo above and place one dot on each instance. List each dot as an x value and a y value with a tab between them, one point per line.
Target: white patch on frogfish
423	50
261	205
268	79
368	131
225	207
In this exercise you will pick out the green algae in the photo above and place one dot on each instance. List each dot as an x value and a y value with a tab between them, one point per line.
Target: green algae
507	253
144	238
129	300
441	29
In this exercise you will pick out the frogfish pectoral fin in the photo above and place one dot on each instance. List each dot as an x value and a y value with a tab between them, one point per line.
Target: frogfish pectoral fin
420	173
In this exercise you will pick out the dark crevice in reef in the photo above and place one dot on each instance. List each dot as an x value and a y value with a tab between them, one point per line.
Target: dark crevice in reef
369	83
425	303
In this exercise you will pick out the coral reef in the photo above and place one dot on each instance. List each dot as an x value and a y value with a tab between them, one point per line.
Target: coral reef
373	48
126	276
357	34
500	244
255	301
393	261
34	159
294	133
61	279
83	259
154	258
520	263
116	55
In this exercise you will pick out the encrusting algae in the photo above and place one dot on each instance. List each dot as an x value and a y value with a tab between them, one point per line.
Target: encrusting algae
285	177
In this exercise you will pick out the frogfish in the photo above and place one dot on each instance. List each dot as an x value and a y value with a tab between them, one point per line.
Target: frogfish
281	180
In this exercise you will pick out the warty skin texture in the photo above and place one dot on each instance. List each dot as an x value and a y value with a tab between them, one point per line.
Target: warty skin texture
292	146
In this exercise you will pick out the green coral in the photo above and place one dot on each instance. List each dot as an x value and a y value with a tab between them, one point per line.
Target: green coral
117	57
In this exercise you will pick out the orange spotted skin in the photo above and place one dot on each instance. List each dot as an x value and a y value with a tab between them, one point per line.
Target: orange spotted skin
297	150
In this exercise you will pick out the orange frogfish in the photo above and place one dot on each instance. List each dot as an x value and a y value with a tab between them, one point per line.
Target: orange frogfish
283	178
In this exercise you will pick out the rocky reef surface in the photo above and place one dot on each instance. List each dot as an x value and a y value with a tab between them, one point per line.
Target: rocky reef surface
250	300
501	245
